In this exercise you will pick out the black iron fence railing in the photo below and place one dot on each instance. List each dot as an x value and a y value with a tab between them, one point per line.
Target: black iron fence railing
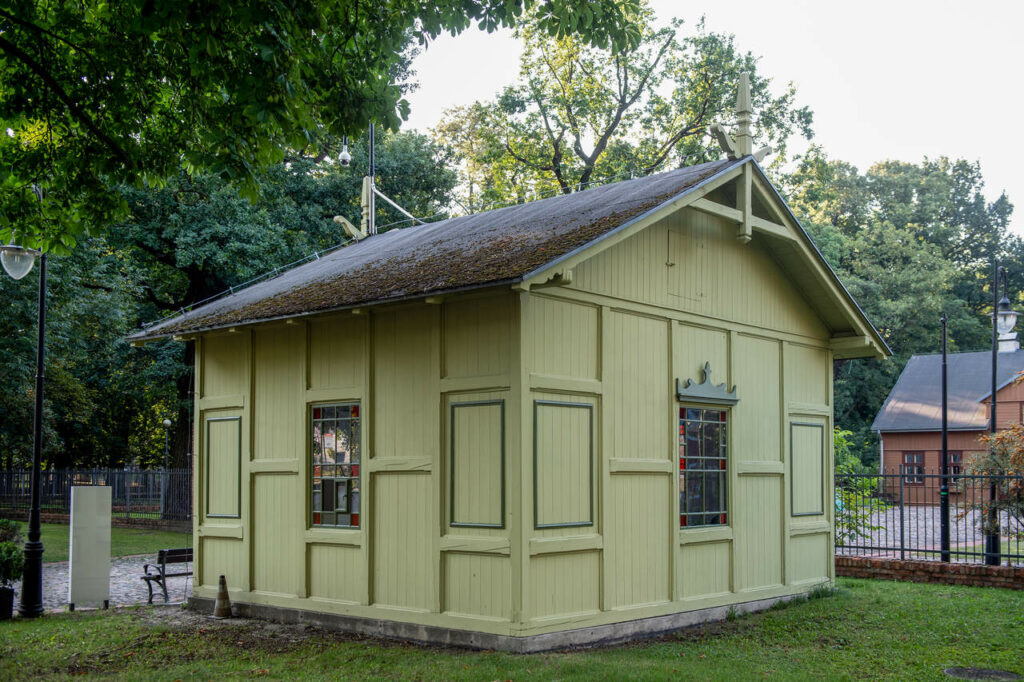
898	514
138	496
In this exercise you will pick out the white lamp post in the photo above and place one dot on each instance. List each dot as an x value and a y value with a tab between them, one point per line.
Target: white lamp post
17	261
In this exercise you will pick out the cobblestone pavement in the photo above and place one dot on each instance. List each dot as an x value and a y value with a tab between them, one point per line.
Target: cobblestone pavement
125	586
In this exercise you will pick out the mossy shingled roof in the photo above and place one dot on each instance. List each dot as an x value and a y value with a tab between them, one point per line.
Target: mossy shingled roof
473	251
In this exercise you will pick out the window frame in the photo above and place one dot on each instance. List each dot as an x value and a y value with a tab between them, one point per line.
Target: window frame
725	438
355	467
915	476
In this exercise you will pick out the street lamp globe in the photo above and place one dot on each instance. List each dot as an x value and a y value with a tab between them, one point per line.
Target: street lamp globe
167	423
17	260
1005	317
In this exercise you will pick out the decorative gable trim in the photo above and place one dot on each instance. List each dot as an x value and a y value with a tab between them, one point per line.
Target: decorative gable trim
705	392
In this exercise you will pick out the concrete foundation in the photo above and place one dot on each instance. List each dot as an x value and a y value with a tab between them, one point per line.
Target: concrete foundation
613	633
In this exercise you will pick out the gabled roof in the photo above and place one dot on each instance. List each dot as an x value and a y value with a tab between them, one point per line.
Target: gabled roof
518	244
915	402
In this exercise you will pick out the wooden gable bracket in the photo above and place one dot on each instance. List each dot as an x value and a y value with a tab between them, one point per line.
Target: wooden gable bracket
705	391
743	218
556	279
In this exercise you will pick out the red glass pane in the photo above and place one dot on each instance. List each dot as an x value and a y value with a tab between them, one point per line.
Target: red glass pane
355	519
682	519
723	519
316	470
682	464
316	413
355	469
722	416
721	464
316	517
355	410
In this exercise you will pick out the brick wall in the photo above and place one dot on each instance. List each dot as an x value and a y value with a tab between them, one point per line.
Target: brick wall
1010	577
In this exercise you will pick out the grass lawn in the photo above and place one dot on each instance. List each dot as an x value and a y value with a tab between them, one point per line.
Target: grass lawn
865	630
123	541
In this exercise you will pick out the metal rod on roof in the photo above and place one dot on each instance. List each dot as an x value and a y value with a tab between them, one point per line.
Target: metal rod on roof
372	174
397	207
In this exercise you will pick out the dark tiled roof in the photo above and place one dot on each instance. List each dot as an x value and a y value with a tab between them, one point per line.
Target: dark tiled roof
915	402
472	251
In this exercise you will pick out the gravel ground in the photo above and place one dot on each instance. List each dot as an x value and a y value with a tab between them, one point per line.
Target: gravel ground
125	585
921	529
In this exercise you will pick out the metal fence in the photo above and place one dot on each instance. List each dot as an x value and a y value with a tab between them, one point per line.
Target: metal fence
897	514
137	496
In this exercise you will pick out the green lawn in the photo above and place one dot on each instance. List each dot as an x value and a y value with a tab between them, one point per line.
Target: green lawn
865	630
123	541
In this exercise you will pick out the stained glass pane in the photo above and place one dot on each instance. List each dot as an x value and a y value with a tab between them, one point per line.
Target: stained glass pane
335	473
702	467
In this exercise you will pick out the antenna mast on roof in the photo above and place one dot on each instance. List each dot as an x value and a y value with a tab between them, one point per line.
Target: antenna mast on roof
368	199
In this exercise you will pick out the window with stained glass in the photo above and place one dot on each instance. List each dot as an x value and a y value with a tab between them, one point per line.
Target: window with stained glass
335	465
913	468
703	455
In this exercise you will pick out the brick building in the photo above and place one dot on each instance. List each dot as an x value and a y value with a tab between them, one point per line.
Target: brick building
909	425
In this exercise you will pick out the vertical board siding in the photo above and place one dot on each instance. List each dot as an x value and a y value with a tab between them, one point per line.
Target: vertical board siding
563	339
222	557
406	376
808	469
223	466
478	336
477	460
637	386
403	527
691	261
704	570
756	421
810	557
692	347
564	584
224	360
758	524
336	572
637	540
807	375
478	585
563	461
337	351
278	410
278	505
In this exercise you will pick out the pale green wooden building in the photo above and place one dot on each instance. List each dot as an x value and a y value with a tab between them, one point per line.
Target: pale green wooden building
496	430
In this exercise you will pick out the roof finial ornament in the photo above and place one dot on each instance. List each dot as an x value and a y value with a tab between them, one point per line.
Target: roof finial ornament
744	136
743	143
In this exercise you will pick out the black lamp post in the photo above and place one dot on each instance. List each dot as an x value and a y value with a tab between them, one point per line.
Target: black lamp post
17	262
1003	320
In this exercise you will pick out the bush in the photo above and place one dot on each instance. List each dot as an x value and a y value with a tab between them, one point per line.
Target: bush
10	531
12	563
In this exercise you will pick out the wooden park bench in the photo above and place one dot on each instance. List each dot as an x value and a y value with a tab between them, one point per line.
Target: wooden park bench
164	558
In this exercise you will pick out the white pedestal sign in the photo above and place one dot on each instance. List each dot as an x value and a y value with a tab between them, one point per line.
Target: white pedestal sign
89	568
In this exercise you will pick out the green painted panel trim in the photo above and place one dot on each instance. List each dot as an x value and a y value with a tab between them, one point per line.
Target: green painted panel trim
238	512
451	464
536	510
792	471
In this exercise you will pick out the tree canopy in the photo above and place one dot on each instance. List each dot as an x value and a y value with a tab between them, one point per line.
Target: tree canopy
910	241
580	112
95	95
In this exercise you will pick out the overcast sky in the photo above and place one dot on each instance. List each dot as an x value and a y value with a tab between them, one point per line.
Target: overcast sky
886	80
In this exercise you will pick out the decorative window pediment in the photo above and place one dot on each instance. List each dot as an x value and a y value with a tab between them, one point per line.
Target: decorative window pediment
705	392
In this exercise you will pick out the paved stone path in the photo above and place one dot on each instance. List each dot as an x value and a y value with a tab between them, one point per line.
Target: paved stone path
125	586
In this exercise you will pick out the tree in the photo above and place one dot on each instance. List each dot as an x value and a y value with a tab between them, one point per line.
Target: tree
910	241
96	94
189	240
580	112
1006	458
